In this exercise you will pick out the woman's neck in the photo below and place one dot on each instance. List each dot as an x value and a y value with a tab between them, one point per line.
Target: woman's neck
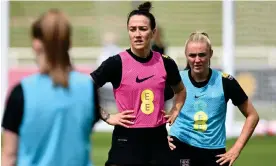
200	77
143	53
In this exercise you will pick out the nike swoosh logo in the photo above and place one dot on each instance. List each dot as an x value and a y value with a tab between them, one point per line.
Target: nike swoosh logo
199	96
143	79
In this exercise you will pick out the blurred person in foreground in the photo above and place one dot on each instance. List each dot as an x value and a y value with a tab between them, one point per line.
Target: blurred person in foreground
109	48
158	44
138	76
198	135
49	116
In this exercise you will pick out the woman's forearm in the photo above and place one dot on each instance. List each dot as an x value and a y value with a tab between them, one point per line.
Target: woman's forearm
247	131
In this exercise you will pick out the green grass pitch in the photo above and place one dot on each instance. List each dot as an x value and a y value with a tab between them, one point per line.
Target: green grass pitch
260	151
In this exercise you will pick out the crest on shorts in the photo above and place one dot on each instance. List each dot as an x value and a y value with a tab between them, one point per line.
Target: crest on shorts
184	162
226	75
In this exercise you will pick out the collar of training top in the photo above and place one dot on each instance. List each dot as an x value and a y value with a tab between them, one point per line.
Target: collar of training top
139	59
200	84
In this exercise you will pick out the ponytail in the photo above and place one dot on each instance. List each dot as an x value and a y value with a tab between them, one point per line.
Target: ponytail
55	35
60	77
144	9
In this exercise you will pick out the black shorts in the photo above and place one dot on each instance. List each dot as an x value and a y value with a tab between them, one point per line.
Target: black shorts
187	155
139	146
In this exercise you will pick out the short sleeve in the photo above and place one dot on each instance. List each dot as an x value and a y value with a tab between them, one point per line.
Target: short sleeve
173	75
109	71
233	90
14	109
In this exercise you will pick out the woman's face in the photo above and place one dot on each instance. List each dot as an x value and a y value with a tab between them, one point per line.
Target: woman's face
198	55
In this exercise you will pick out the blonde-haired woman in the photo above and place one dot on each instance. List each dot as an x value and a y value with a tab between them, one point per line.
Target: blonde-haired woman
198	135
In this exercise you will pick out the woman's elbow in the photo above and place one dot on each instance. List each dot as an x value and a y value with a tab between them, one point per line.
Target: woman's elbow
257	117
254	116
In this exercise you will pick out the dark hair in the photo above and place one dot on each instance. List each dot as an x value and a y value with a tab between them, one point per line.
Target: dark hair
54	31
144	9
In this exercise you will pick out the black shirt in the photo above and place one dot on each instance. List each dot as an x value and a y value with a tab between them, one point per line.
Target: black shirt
14	110
111	71
232	89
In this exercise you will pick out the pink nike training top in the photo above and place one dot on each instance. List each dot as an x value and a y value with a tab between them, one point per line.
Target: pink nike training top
142	90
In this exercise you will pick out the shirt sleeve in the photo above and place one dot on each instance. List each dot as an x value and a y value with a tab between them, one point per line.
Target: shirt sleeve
109	71
173	75
96	101
168	92
233	90
13	113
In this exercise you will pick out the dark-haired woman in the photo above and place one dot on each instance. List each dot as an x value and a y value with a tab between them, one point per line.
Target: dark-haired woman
139	77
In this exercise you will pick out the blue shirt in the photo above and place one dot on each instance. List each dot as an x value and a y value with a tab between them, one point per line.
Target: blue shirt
201	122
57	122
